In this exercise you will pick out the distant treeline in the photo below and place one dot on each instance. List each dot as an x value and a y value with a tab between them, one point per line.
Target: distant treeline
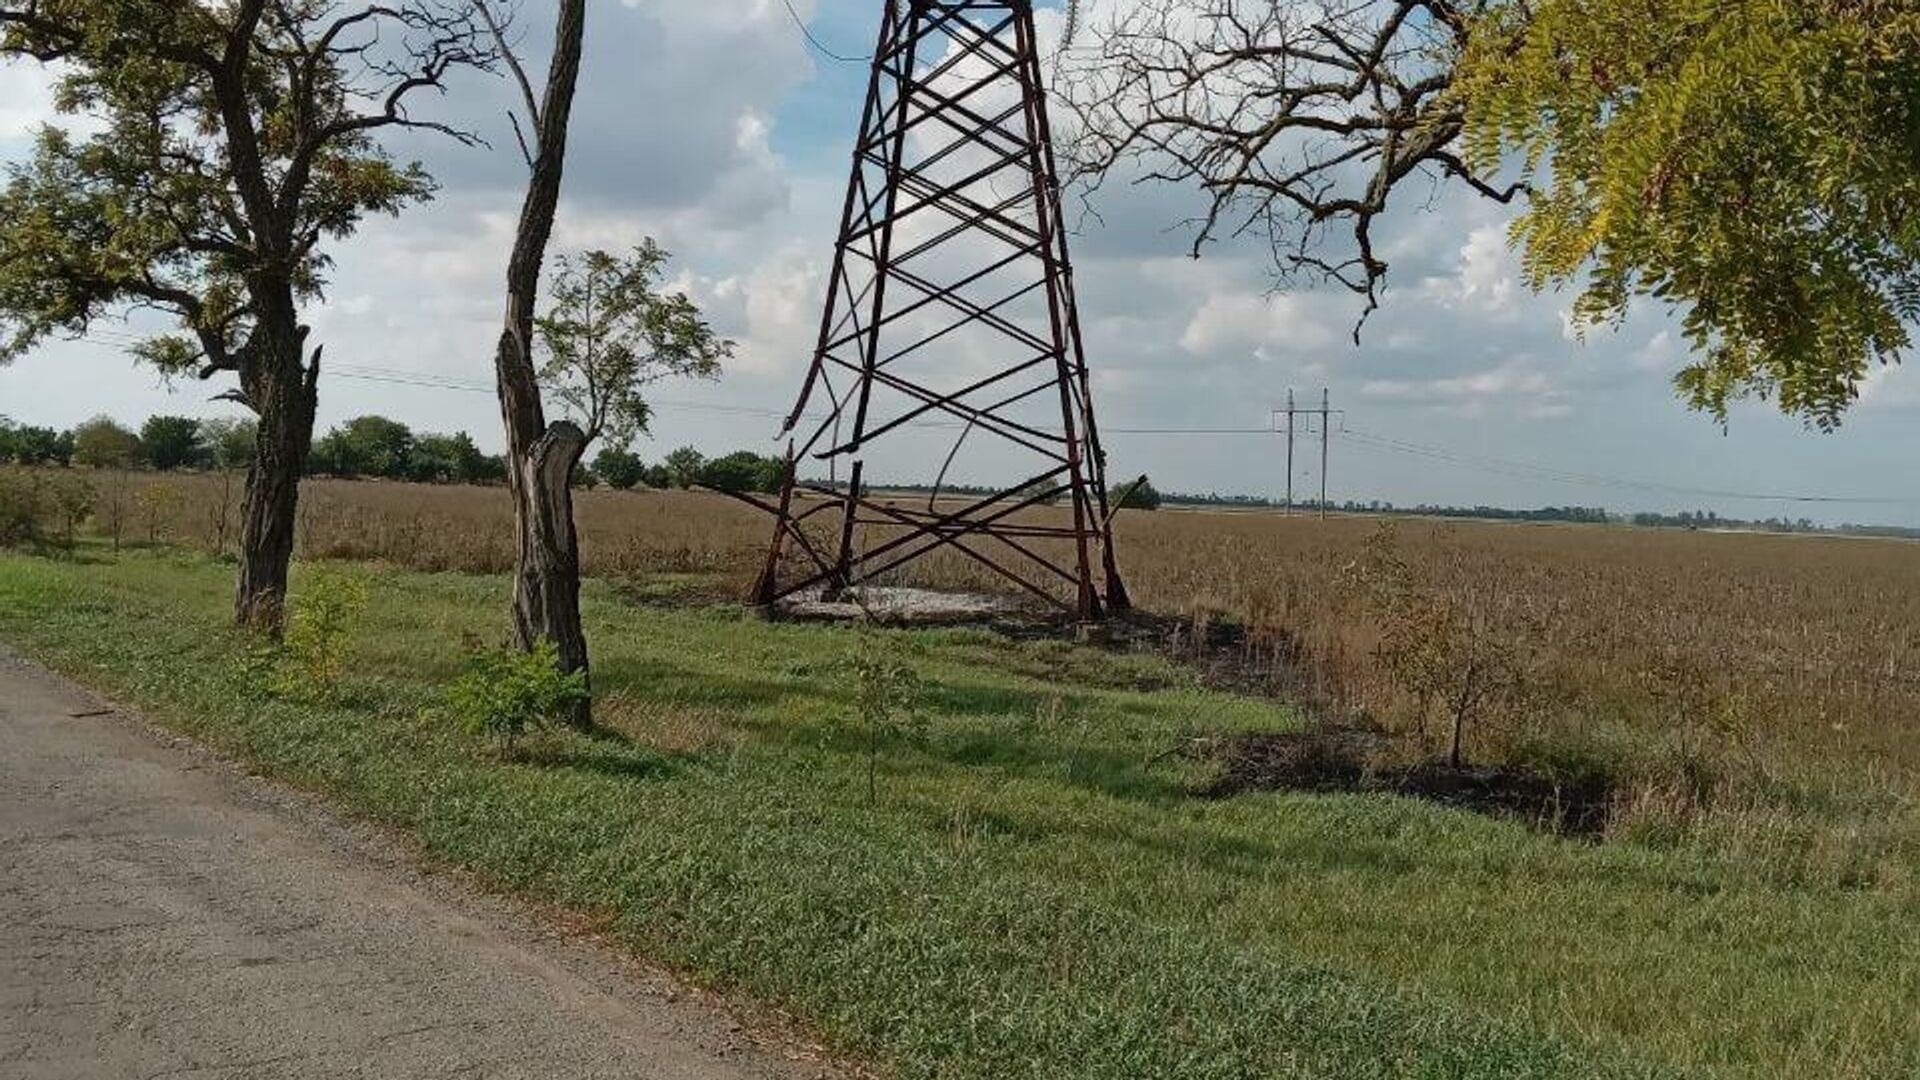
379	447
365	447
1585	515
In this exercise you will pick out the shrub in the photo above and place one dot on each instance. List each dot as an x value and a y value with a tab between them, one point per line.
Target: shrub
320	628
21	500
42	510
1442	647
71	502
506	692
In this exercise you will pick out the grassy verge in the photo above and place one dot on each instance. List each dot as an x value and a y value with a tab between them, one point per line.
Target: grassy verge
1031	894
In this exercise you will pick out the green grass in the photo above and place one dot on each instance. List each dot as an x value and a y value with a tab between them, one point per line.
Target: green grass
1032	894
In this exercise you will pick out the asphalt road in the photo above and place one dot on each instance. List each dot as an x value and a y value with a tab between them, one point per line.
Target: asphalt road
162	914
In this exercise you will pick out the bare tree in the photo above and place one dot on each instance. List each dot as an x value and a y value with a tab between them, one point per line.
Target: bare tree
1296	119
541	457
236	137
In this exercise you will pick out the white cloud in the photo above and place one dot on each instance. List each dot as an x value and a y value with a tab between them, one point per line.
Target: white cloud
26	99
1889	387
1516	388
1485	280
1264	326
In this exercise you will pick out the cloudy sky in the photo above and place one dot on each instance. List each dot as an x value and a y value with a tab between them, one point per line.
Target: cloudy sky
714	127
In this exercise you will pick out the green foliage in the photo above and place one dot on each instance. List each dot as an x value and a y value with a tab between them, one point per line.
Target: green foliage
170	441
447	459
20	509
619	468
41	446
683	467
364	446
224	147
744	471
103	444
229	443
42	511
1140	495
324	616
611	331
1752	163
506	693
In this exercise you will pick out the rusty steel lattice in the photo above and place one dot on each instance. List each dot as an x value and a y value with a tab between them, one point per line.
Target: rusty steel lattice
950	310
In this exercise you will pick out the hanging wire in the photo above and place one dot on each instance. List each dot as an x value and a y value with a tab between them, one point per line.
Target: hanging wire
818	45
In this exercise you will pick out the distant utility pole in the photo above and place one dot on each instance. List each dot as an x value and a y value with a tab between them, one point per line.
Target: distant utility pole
1325	415
1289	450
1326	412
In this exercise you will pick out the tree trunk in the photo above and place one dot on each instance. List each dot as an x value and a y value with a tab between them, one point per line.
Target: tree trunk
546	587
541	458
284	394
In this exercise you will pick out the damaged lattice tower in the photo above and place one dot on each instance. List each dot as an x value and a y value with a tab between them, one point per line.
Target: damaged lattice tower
950	347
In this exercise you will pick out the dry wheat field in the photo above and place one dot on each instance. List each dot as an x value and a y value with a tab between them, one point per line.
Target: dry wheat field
1760	689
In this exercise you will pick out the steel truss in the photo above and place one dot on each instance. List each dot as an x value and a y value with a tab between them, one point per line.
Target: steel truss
950	305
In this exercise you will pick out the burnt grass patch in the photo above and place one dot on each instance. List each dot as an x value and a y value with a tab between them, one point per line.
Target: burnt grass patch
1349	760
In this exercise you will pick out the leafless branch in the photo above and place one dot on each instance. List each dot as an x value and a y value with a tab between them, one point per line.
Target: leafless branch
1294	118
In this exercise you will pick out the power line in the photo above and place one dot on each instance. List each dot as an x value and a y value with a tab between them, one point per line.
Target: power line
819	46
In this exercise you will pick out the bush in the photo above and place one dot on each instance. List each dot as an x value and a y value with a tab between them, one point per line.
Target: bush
104	444
320	628
40	510
506	692
20	509
683	466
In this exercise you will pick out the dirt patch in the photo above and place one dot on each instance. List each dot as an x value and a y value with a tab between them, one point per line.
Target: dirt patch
1223	654
1353	760
892	605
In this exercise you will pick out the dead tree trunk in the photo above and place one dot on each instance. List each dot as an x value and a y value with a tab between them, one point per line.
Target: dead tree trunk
541	457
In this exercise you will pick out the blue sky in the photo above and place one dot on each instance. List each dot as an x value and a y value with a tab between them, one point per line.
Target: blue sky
712	126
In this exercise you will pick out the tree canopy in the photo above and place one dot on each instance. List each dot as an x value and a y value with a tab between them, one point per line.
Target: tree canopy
611	331
228	141
1753	163
1297	120
170	441
233	136
104	444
